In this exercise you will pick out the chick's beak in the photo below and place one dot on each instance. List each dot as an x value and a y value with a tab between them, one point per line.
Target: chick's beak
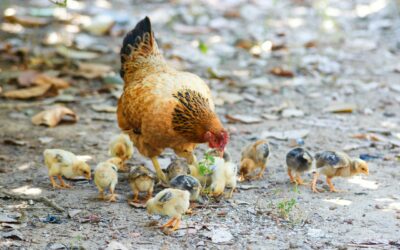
88	177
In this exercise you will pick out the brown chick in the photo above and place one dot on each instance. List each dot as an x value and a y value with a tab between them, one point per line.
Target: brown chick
106	176
254	156
162	107
121	146
333	164
141	179
177	167
171	202
63	163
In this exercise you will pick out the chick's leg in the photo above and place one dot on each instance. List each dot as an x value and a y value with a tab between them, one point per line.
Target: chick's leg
177	224
63	184
149	195
101	194
331	187
169	223
112	197
53	182
300	181
314	183
136	196
289	172
261	173
159	172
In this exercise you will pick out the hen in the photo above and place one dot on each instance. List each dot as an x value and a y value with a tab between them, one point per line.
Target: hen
161	107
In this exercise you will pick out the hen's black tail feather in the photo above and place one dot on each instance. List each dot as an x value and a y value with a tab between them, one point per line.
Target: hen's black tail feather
134	39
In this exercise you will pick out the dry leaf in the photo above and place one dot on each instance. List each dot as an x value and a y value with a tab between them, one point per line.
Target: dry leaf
104	108
31	92
341	108
28	21
54	116
25	79
58	83
92	70
369	136
279	71
247	119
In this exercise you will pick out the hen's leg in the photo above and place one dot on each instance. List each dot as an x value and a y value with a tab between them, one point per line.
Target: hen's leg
159	172
53	182
63	184
149	195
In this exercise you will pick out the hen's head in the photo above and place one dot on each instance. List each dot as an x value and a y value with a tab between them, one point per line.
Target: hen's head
217	140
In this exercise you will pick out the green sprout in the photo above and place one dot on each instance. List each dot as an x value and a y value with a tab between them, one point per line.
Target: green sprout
61	3
285	207
205	164
203	47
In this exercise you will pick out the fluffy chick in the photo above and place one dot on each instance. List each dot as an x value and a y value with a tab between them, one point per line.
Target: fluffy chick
254	156
332	164
224	175
188	183
141	179
63	163
171	202
106	176
121	146
299	161
177	167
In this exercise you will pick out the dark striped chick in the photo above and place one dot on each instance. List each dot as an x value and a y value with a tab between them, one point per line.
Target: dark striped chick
177	167
141	179
189	183
299	161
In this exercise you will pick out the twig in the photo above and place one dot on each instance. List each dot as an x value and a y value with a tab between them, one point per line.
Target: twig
42	199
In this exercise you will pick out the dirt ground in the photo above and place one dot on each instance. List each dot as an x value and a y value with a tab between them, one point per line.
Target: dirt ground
338	52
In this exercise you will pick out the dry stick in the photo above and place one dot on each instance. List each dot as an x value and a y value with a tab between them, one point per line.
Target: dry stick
42	199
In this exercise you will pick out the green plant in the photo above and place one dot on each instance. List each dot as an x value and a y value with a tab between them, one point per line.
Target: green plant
205	164
285	207
203	47
61	3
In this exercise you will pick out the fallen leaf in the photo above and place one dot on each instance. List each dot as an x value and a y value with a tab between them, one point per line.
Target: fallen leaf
76	54
279	71
285	135
369	136
246	119
287	113
25	79
32	92
28	21
54	116
341	108
14	142
92	70
58	83
137	204
104	108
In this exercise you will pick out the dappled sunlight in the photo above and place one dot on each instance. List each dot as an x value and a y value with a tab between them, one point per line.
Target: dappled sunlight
24	166
338	201
364	10
27	190
394	206
364	183
84	157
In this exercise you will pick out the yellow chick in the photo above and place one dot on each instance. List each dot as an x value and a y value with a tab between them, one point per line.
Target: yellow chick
106	176
121	146
141	179
171	202
332	164
224	175
205	180
254	156
63	163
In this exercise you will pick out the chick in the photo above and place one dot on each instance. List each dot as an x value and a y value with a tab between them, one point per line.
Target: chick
63	163
177	167
121	146
106	176
205	179
299	161
141	179
254	156
171	202
189	183
224	175
332	164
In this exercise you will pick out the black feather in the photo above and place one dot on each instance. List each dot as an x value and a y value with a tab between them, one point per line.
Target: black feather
141	28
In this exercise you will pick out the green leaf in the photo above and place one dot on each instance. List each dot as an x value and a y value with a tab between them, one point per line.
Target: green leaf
203	47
